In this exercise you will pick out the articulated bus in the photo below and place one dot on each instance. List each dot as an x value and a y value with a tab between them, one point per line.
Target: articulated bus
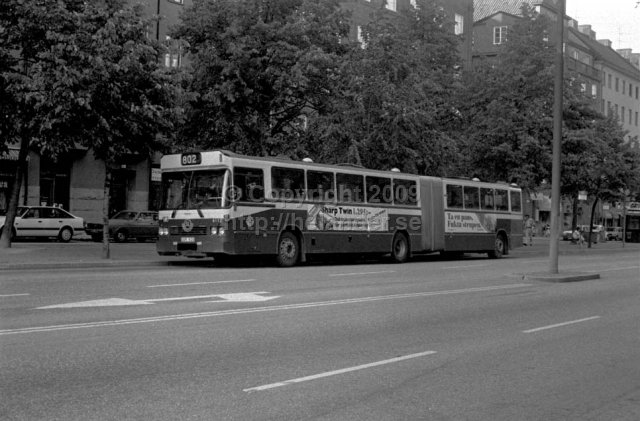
220	204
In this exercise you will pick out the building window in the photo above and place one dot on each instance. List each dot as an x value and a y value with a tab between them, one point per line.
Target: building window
617	85
630	90
622	115
594	91
608	107
629	116
624	86
173	58
459	28
616	107
609	81
636	119
391	5
637	89
499	35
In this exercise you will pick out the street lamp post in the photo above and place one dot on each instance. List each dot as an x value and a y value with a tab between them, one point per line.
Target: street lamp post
557	140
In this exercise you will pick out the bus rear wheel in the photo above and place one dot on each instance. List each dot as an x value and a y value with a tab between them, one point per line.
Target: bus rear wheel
400	248
288	252
499	248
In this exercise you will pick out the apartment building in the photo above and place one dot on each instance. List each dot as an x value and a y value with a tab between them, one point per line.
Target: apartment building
459	13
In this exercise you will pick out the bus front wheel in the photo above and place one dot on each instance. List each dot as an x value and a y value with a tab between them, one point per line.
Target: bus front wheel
288	252
400	248
499	248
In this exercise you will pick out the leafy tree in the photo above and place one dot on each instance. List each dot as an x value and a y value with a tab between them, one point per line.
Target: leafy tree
33	103
92	77
507	108
391	106
257	67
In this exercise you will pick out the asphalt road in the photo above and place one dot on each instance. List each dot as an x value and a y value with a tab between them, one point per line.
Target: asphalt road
428	340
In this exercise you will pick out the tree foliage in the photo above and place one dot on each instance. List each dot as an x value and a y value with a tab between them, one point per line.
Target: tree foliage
391	105
507	108
81	73
257	67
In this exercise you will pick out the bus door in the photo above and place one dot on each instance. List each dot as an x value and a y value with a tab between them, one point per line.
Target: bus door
432	206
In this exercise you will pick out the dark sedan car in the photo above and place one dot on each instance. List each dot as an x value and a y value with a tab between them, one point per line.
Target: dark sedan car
141	225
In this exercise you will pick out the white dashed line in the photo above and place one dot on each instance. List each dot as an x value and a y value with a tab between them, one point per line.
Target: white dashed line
201	283
12	295
538	329
336	372
361	273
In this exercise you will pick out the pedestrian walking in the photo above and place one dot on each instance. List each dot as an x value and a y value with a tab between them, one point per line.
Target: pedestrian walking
577	237
529	226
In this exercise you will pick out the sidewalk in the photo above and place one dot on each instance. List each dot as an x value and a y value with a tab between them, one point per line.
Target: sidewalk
79	254
87	254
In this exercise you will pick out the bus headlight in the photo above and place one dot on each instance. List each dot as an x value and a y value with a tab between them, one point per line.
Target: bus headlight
217	230
163	231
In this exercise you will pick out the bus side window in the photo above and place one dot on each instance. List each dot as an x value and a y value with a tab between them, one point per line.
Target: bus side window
502	200
287	183
378	190
471	197
350	188
486	195
320	186
454	196
249	184
405	192
516	201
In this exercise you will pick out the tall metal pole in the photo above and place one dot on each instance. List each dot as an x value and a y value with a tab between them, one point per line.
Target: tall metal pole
557	140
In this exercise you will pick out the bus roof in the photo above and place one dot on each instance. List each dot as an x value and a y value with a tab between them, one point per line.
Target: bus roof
344	167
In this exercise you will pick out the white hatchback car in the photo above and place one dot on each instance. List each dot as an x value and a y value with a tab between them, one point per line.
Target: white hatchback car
45	221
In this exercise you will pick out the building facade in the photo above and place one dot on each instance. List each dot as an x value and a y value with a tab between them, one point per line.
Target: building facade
458	12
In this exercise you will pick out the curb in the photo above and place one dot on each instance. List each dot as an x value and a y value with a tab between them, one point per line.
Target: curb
84	265
558	277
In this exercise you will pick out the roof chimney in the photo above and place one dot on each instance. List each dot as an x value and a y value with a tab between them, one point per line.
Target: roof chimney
605	42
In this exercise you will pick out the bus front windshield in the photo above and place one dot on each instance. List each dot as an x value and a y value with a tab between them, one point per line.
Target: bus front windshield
202	189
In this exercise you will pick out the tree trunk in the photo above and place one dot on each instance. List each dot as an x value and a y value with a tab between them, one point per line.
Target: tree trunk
5	238
593	210
106	252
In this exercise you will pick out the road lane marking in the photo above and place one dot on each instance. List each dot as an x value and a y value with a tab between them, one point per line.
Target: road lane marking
467	266
361	273
283	307
538	329
336	372
113	302
201	283
12	295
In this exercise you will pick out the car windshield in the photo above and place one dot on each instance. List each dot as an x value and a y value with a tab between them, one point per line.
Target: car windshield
193	189
126	215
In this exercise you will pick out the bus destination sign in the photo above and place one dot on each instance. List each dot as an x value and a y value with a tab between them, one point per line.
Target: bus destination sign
193	158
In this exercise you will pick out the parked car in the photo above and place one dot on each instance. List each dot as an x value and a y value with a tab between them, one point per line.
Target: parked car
614	233
45	221
597	233
126	224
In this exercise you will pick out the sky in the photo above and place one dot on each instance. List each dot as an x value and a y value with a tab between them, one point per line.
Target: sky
615	20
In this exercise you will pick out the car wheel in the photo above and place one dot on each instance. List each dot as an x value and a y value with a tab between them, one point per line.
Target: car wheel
400	248
120	236
288	250
499	248
65	235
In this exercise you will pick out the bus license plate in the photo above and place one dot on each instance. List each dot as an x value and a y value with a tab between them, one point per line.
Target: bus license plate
188	239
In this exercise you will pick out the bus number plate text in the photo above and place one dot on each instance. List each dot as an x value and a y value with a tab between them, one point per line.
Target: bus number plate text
188	239
191	158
